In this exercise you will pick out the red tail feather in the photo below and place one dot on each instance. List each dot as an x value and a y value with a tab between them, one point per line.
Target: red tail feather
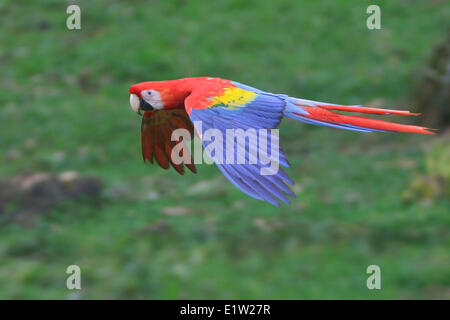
322	113
368	110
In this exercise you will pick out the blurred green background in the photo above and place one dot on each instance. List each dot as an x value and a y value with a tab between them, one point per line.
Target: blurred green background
362	199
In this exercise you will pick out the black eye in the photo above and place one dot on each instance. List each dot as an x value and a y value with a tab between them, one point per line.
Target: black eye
149	92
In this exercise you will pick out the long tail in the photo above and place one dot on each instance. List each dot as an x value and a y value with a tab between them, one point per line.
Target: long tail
319	113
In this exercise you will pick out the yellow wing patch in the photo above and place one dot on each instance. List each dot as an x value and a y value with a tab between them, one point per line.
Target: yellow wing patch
232	98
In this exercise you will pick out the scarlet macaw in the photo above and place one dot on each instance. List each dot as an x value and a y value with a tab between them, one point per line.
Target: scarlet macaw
223	104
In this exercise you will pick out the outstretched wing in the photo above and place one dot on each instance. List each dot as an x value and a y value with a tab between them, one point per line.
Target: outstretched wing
156	131
235	106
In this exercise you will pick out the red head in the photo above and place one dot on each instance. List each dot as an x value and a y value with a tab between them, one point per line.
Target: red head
158	95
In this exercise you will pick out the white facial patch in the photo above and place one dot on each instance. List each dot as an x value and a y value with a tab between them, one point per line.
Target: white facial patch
134	102
153	98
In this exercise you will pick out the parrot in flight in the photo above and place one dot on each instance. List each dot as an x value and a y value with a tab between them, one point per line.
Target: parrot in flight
223	104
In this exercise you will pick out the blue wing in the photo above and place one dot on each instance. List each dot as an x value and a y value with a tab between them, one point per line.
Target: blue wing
248	110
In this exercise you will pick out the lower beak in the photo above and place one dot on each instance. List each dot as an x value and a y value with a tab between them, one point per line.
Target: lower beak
144	105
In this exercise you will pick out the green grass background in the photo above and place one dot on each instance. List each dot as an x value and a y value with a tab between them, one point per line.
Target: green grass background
67	91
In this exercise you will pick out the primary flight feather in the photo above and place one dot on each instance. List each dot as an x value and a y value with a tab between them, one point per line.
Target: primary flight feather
204	103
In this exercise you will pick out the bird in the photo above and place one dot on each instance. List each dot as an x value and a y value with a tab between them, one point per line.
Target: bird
198	104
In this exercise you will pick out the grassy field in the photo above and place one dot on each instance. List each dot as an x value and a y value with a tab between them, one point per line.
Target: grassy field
155	234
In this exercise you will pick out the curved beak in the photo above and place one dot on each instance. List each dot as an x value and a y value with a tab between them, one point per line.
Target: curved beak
138	104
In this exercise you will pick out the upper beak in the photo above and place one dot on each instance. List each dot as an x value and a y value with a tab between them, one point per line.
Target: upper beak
134	102
138	104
